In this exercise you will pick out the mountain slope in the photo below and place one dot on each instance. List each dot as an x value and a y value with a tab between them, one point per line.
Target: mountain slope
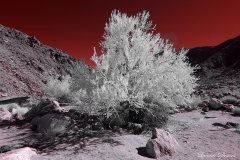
220	59
26	63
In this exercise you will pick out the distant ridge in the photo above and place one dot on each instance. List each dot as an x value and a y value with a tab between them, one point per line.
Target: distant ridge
222	59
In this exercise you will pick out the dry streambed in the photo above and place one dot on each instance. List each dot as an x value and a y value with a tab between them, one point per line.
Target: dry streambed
195	132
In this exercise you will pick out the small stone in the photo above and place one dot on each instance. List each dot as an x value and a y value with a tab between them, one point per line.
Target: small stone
75	128
205	109
171	112
81	144
4	94
115	129
176	110
203	113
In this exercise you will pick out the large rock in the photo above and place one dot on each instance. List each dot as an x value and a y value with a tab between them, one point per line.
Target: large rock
52	123
114	120
215	103
5	115
43	108
35	120
161	144
135	128
19	154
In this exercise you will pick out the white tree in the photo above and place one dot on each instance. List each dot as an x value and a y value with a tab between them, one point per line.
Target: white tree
135	64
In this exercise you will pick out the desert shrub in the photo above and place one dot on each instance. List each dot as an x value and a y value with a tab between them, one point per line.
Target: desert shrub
197	100
81	86
55	128
59	89
32	102
136	64
229	99
155	116
81	79
236	111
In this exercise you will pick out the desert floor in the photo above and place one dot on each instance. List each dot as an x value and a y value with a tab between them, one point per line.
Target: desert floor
198	139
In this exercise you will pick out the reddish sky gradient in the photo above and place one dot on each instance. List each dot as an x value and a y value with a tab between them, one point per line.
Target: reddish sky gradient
76	26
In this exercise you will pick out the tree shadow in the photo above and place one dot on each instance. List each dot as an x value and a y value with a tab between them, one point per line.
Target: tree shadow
72	142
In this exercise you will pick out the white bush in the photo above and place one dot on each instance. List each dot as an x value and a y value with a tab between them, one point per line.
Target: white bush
129	68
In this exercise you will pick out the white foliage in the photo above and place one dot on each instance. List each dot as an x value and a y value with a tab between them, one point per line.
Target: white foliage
128	68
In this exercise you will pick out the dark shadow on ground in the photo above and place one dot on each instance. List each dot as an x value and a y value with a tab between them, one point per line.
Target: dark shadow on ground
73	142
142	152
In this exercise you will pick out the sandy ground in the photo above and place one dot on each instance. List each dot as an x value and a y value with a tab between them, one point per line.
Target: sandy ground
198	139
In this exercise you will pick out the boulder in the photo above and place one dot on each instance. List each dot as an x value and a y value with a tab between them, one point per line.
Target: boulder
43	108
215	103
19	154
136	128
35	120
5	115
161	144
52	123
97	126
237	96
228	107
229	100
115	120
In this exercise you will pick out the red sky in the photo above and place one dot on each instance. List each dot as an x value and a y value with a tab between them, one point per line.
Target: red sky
76	26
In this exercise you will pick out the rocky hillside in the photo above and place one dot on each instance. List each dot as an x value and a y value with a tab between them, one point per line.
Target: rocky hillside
26	63
222	59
